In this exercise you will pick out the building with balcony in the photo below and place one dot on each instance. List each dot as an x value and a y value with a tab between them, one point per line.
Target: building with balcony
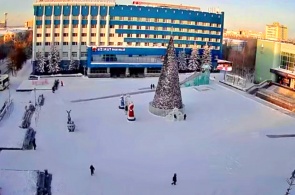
275	61
138	32
276	32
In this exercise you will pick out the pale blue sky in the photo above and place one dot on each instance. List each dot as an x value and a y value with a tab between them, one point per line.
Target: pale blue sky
239	14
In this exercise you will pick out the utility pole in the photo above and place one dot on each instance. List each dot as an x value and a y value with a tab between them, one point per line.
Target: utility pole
5	20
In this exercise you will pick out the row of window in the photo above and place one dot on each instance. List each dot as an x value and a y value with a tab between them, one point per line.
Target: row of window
136	19
66	54
137	36
134	27
123	44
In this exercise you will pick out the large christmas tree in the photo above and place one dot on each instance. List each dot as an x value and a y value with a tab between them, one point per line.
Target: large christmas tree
168	94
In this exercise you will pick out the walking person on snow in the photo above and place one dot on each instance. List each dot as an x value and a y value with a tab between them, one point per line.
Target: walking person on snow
174	179
92	169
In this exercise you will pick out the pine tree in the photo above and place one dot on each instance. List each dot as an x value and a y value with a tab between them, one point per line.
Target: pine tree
53	65
73	65
41	62
168	94
206	57
182	64
194	63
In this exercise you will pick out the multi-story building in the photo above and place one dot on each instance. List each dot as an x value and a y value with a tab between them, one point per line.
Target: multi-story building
275	61
276	32
29	24
121	36
243	34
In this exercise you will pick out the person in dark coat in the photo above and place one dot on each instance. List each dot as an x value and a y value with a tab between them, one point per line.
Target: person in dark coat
92	169
151	86
53	89
174	179
184	117
126	109
175	117
34	144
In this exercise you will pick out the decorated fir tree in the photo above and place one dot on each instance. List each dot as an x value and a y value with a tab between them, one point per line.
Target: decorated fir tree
182	64
194	63
168	94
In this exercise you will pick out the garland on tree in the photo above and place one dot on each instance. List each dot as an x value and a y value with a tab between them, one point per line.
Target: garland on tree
168	94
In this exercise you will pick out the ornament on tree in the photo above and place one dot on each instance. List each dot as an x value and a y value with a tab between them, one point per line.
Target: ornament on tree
130	115
122	102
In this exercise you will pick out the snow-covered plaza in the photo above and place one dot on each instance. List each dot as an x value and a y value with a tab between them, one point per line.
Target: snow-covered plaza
221	149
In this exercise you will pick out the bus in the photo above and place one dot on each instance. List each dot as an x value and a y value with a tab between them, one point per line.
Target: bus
4	81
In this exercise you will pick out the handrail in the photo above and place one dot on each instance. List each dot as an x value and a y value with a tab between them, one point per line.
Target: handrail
194	75
256	86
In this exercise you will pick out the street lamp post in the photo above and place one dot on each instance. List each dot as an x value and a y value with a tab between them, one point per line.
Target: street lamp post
84	70
35	96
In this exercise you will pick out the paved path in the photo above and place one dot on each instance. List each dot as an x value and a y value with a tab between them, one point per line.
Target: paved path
112	96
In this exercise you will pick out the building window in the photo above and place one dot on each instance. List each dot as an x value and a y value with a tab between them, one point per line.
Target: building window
147	28
129	27
120	35
101	43
120	43
83	43
66	34
103	26
93	34
83	54
84	26
56	43
93	17
112	34
47	43
146	44
92	43
56	34
102	35
137	35
164	28
74	54
74	43
121	26
137	44
102	17
156	28
65	43
56	26
84	17
65	54
84	34
75	25
38	44
93	26
146	36
66	26
138	27
129	35
39	26
112	26
75	34
111	43
39	35
129	43
47	35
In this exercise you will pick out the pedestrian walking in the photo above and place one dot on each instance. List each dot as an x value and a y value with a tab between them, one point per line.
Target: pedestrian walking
92	169
174	179
184	117
151	86
34	144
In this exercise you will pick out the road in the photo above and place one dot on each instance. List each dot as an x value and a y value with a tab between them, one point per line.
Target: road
3	66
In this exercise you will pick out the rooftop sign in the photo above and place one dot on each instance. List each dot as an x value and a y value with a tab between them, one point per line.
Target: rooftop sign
75	1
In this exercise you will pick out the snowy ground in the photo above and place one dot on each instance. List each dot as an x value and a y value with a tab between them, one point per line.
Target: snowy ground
221	149
26	182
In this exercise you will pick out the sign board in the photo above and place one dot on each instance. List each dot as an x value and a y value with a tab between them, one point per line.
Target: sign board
94	49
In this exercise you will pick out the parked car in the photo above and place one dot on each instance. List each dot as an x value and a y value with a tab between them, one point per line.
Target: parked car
34	77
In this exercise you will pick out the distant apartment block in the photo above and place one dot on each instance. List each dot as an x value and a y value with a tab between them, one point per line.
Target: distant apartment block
276	32
2	24
243	34
29	24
